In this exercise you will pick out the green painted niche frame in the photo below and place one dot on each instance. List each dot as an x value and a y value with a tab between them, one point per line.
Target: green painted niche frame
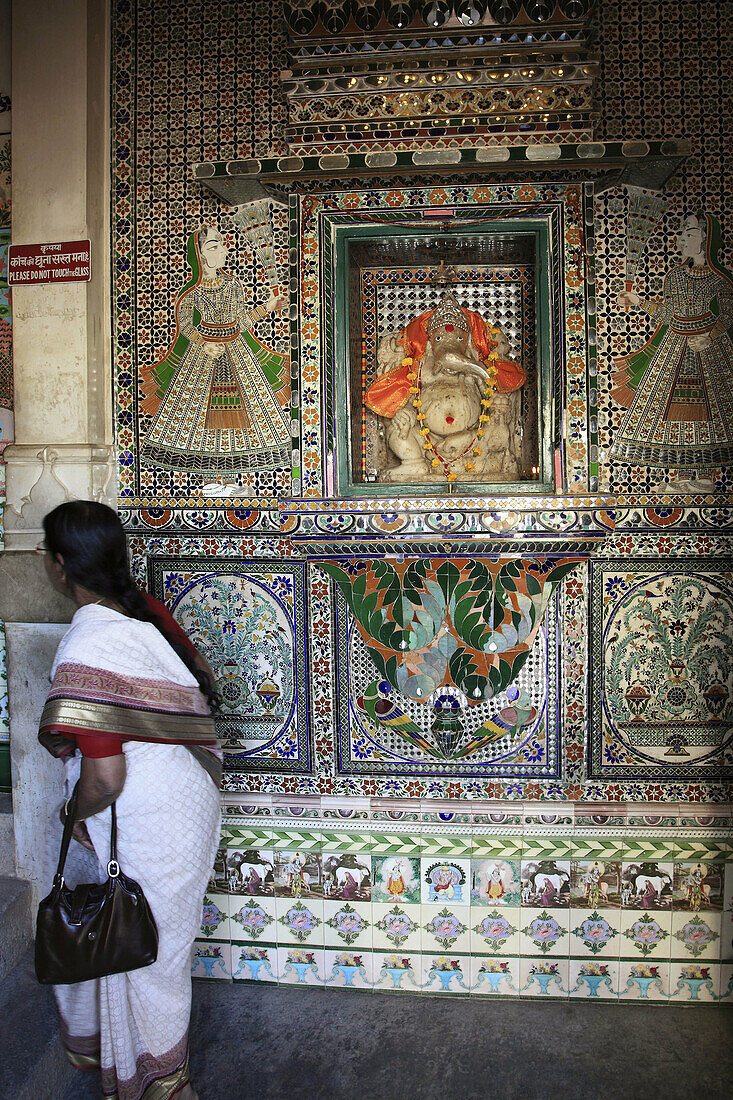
543	231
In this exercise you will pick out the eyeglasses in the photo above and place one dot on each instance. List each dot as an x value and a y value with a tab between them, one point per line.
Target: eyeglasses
41	548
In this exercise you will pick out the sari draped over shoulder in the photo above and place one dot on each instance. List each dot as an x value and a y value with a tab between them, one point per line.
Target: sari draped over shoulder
119	687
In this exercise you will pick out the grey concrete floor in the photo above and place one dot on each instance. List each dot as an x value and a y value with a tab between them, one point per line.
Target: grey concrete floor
263	1042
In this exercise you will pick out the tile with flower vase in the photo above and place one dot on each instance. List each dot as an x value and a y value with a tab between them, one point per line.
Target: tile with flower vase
595	934
696	936
396	879
348	968
304	965
211	959
645	934
694	981
726	984
346	877
495	977
253	962
647	885
445	974
545	883
594	978
395	928
544	977
397	971
250	872
495	882
698	887
544	933
495	932
215	924
347	925
595	884
446	929
645	980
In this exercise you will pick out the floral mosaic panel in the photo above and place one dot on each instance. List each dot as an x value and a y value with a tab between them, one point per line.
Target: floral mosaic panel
662	669
249	621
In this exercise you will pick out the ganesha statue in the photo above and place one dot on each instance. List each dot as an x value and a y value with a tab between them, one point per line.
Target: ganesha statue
447	399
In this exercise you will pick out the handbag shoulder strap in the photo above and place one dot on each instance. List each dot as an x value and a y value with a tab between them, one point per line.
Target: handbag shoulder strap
58	878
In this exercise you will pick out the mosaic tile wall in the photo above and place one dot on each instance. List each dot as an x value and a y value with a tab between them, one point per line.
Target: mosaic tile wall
6	367
364	844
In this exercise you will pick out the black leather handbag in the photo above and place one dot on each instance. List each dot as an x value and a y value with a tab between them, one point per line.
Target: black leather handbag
97	928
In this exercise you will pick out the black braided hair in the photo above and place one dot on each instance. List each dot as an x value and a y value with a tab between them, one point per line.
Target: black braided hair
91	540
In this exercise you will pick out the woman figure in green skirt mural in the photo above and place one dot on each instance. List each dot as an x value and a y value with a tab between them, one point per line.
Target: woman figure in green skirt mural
217	397
678	388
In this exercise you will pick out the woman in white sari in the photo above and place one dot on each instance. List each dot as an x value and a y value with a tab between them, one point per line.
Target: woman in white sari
131	695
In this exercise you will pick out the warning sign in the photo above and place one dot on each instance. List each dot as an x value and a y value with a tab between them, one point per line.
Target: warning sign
63	262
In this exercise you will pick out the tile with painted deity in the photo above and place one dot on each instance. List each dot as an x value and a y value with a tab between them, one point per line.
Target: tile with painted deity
211	960
545	882
495	931
445	881
647	885
348	968
347	925
646	934
396	879
544	977
595	934
646	980
595	883
298	874
253	962
594	978
696	935
698	887
495	882
494	977
347	876
544	932
300	965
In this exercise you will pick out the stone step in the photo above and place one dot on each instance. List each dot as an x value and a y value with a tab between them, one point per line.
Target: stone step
33	1063
7	836
16	922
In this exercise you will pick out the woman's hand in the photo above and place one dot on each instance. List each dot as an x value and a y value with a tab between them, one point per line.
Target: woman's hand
699	343
81	834
275	303
628	298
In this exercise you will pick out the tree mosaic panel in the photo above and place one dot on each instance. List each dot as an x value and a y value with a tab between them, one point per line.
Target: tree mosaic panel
662	669
447	667
249	620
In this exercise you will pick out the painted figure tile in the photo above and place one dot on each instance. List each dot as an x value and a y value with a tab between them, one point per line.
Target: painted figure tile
545	882
298	874
495	977
347	877
495	882
647	885
698	936
251	871
698	886
253	964
595	883
396	879
445	881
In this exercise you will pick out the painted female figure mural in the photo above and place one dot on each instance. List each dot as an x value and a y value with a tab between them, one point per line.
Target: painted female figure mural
217	397
678	388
